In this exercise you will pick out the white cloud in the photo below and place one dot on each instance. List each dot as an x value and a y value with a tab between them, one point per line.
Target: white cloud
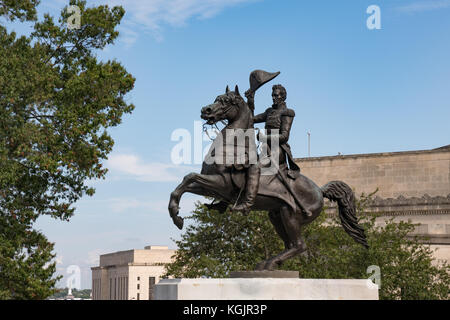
132	166
420	6
59	259
127	204
93	257
153	15
128	36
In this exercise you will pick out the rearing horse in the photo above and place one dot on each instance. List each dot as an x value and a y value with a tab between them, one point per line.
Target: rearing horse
222	182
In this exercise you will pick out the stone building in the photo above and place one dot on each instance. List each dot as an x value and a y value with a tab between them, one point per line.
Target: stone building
412	185
129	275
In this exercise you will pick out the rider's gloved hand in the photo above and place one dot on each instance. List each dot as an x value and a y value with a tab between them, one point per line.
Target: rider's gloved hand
249	94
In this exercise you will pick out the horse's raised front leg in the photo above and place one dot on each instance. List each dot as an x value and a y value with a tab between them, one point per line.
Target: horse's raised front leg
201	184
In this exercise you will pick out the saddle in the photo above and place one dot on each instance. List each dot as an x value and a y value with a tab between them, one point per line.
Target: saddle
268	184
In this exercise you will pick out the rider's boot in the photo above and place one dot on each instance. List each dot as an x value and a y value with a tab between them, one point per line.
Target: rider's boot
251	190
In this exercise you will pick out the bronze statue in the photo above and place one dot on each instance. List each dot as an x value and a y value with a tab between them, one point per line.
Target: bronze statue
278	119
291	199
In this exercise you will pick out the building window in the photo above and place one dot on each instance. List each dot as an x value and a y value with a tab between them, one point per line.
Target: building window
138	296
151	283
120	288
123	288
138	286
139	278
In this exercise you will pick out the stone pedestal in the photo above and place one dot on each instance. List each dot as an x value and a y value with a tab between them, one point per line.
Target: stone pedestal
265	289
264	274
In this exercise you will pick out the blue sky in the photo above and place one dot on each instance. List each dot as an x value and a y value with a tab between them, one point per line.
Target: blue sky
356	90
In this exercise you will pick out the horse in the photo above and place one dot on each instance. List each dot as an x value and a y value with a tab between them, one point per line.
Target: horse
225	183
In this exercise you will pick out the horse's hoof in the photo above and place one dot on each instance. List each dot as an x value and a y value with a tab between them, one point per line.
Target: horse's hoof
260	266
178	221
241	208
270	266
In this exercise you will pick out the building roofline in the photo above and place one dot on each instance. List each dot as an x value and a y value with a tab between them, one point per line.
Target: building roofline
112	253
133	250
131	264
379	154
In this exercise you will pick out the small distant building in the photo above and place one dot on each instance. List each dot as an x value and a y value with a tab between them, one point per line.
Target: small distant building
131	274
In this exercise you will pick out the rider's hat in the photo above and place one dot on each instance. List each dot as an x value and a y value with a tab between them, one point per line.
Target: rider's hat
260	77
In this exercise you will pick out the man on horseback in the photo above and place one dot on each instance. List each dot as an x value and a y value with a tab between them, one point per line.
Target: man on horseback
278	119
290	198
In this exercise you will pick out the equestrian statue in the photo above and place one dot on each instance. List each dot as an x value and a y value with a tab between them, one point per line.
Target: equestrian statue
236	176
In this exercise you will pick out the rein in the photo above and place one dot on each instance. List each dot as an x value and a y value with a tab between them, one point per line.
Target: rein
226	109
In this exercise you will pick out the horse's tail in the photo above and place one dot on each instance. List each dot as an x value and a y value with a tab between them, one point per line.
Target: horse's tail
341	193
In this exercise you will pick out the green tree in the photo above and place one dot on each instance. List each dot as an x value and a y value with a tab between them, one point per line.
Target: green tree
26	271
215	244
63	292
57	100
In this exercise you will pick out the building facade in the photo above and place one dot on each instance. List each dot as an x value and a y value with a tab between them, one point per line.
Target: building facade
129	275
412	185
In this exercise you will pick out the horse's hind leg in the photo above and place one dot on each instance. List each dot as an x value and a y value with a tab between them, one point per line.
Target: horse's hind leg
292	225
277	222
275	219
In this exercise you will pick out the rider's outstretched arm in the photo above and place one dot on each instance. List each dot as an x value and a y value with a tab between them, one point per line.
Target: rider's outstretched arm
260	117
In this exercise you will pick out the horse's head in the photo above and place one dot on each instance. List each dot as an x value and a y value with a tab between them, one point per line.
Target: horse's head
227	106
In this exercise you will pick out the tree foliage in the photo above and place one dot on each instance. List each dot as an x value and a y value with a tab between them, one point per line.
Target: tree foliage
62	293
57	100
215	244
19	9
26	270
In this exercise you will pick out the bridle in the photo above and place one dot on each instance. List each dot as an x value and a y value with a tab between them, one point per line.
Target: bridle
226	109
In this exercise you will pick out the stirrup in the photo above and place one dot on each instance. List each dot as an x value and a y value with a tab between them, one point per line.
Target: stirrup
242	207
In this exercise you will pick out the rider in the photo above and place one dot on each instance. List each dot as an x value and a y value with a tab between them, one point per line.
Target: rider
280	118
